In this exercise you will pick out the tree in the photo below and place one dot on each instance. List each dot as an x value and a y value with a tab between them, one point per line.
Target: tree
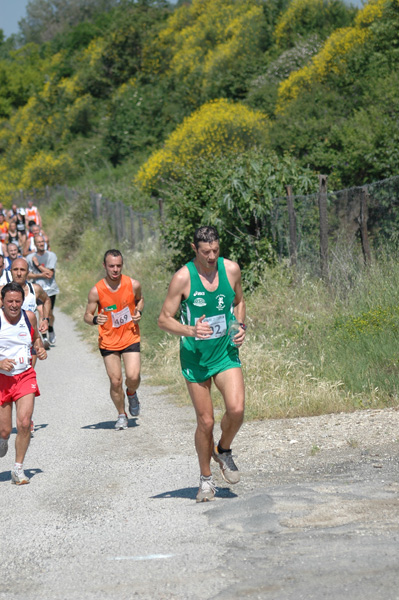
46	18
236	194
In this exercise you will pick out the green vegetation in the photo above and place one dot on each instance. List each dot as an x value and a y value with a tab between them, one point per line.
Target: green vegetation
310	349
215	106
89	86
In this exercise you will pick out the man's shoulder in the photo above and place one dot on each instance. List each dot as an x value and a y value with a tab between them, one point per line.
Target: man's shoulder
231	267
180	279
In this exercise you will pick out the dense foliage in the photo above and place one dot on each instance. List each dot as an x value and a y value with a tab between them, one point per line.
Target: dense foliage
236	195
91	85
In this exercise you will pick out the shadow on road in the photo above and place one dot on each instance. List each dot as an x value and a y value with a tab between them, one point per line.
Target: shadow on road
110	424
191	493
37	428
6	475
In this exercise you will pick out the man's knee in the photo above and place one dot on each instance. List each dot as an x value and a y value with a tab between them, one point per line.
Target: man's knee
133	380
23	423
5	431
116	382
206	422
236	413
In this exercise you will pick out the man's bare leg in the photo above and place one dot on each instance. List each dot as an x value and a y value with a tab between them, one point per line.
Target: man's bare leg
113	367
230	383
132	364
24	408
200	394
5	420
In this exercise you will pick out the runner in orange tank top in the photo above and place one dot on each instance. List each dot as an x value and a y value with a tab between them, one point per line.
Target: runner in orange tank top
119	304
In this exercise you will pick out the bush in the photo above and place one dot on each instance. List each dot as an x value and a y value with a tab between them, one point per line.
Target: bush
219	127
234	193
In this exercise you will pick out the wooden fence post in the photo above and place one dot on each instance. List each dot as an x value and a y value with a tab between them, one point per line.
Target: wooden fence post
364	236
98	199
292	226
323	226
132	236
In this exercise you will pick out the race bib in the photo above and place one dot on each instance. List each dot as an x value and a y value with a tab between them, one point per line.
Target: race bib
121	317
22	359
218	326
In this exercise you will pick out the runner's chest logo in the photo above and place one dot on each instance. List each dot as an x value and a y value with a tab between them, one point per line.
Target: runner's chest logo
221	304
198	301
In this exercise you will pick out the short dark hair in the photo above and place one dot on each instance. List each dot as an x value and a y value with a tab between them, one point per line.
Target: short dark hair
206	234
112	252
12	287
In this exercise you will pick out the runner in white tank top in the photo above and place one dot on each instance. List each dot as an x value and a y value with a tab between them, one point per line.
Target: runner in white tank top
16	343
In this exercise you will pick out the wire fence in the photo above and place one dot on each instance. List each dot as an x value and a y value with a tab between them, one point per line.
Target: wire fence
127	226
303	228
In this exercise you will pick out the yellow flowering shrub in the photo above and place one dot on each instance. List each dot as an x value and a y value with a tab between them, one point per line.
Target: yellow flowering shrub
297	11
46	169
218	127
333	57
208	36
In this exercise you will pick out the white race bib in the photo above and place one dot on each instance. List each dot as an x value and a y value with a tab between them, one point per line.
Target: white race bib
218	326
121	317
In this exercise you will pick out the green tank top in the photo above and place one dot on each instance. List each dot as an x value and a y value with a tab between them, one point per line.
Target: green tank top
218	308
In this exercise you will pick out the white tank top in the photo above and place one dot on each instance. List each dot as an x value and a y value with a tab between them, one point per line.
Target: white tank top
16	343
30	299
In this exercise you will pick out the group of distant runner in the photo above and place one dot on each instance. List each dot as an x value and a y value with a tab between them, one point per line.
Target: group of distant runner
27	288
207	291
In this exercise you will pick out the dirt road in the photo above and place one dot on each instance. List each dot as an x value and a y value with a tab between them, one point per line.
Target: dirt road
113	515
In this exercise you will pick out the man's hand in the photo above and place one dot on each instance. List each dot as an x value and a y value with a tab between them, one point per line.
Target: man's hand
43	327
102	317
239	338
202	329
136	316
41	353
7	364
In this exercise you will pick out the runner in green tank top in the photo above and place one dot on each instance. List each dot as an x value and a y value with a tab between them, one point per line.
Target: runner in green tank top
209	294
201	359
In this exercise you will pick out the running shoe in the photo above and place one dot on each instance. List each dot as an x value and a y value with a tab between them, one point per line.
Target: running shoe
46	343
207	489
134	404
51	337
3	447
18	477
121	422
227	465
32	427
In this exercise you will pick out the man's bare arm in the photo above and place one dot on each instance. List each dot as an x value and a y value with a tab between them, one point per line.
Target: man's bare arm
179	289
91	307
42	296
139	301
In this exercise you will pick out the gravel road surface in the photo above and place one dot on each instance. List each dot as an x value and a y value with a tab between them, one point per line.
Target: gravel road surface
113	514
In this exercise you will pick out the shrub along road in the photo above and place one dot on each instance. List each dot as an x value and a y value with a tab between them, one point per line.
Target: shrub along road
113	514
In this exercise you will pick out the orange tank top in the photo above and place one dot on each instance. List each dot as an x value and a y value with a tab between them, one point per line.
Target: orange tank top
119	331
31	215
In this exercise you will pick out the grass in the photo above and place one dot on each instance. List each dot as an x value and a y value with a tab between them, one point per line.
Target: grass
311	349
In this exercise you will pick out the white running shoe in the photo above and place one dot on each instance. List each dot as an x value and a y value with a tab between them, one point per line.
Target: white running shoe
18	477
121	422
207	489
